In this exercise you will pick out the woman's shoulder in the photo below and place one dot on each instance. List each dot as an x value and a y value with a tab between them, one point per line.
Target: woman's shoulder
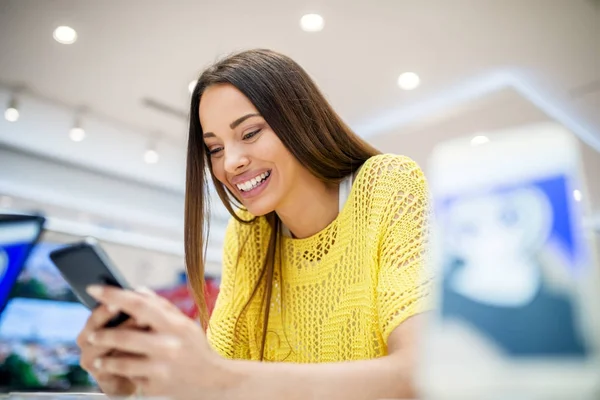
395	161
392	169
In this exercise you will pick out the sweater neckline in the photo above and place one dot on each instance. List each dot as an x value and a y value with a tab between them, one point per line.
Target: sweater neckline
333	224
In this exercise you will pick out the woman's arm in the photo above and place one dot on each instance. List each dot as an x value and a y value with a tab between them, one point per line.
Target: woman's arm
172	358
390	376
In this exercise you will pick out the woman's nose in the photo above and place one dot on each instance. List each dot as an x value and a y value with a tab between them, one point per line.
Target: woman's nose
235	161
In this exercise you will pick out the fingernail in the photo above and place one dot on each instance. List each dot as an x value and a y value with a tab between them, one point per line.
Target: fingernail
97	363
91	338
112	309
94	290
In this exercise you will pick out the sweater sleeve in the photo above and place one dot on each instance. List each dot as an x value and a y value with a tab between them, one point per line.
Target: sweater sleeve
229	340
405	278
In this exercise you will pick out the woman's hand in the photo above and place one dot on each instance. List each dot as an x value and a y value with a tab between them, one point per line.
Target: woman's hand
170	358
110	384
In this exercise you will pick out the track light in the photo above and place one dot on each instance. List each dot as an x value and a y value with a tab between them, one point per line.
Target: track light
77	133
151	155
12	111
192	86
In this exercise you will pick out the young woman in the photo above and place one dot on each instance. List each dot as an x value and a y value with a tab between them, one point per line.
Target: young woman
324	258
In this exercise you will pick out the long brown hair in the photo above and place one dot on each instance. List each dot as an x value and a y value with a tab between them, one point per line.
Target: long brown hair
292	105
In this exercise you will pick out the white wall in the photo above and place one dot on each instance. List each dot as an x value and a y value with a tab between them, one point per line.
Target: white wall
35	177
119	211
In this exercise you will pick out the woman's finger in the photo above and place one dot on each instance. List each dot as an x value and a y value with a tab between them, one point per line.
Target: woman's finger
134	341
147	310
132	367
89	353
97	319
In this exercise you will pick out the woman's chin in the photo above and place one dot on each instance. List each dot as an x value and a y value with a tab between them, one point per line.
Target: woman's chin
258	208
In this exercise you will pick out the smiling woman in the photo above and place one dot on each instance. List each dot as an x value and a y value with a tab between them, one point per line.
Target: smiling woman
324	257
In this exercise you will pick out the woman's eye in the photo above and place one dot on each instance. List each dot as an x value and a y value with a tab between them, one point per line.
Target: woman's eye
215	150
251	134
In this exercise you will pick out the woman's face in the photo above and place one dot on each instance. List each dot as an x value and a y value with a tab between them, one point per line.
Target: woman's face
246	155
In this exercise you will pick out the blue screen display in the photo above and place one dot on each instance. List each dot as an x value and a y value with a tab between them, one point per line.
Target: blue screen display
16	239
512	256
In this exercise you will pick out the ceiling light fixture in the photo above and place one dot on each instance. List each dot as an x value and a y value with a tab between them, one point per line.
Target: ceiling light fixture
77	133
409	81
192	86
479	140
312	23
11	113
65	35
151	155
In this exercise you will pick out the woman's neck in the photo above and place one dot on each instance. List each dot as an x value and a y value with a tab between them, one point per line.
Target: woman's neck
310	208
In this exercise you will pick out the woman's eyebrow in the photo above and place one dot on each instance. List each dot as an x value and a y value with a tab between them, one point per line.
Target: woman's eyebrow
233	125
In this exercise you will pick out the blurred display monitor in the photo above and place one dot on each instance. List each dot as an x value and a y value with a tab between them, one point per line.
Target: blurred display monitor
38	330
18	235
41	321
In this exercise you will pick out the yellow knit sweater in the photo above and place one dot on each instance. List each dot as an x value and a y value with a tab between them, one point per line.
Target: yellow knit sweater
339	294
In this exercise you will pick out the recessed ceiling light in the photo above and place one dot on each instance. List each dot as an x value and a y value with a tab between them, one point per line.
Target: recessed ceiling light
65	35
408	81
77	134
151	156
577	195
479	140
192	86
312	23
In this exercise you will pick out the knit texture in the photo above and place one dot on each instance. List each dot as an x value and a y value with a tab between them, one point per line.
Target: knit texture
339	294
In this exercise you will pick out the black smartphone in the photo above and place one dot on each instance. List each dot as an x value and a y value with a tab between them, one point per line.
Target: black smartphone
85	263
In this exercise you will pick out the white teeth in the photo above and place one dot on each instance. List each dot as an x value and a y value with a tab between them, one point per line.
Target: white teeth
252	183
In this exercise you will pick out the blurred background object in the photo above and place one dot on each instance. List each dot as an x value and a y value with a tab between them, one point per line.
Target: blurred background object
42	316
96	97
518	293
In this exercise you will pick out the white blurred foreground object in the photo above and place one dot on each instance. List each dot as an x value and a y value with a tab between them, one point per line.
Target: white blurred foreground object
518	289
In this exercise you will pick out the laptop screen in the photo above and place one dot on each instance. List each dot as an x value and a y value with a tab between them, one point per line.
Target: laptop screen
18	234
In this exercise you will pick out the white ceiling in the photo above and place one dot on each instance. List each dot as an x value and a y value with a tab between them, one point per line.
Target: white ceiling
132	50
136	49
